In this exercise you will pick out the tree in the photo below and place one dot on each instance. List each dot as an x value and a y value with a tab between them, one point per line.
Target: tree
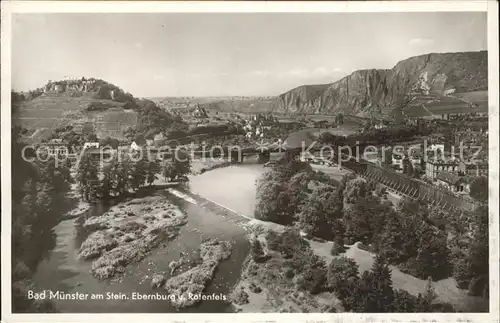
138	174
430	294
86	175
404	302
130	133
354	189
381	191
177	167
258	254
373	293
342	276
397	241
182	163
471	267
152	169
327	137
121	173
107	179
365	220
91	137
432	255
281	193
312	277
108	141
168	170
479	189
407	166
292	243
339	118
320	213
36	191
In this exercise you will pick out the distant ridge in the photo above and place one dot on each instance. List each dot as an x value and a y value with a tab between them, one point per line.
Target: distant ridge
379	91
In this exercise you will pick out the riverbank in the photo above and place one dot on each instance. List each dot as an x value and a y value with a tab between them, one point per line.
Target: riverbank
73	195
188	286
199	166
128	232
265	287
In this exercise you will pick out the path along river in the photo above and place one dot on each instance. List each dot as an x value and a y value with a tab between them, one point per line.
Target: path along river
233	187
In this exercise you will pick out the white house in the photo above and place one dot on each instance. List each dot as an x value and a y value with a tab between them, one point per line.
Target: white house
135	146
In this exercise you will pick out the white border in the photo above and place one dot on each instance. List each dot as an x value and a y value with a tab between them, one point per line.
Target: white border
203	6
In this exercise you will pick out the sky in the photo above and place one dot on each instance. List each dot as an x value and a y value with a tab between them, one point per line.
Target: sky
224	54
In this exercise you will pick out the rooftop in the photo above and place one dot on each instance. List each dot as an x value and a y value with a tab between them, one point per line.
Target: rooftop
449	178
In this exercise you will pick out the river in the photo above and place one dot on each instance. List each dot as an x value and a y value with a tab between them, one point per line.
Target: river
233	186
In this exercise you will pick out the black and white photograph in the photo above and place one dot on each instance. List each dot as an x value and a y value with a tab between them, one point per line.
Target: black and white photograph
268	161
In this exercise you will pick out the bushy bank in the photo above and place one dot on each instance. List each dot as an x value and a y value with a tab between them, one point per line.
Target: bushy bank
195	280
39	202
201	166
128	232
284	274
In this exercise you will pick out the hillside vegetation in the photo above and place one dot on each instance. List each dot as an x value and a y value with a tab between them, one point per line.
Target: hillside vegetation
74	103
379	91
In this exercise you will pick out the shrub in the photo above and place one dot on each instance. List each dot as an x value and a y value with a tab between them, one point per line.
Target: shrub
313	276
336	249
381	191
273	240
342	276
364	247
258	254
289	273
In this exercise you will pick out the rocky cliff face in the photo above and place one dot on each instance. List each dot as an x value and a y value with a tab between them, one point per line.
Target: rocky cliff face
379	91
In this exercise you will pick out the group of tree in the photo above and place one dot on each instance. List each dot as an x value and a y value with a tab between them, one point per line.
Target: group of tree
293	194
38	203
282	191
176	167
125	172
479	189
371	291
470	255
376	136
409	236
153	120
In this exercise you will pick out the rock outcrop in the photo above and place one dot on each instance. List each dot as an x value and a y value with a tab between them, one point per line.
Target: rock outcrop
379	91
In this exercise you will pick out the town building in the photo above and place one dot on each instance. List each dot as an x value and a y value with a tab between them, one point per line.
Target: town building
200	112
56	147
452	182
435	166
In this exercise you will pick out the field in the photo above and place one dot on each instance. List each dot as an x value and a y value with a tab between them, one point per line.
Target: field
417	111
436	106
480	98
